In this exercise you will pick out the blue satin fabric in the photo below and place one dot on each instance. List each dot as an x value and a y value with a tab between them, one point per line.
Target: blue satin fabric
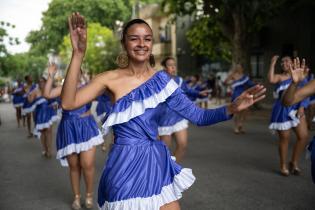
74	129
18	98
280	113
239	89
43	112
27	104
167	116
103	105
139	164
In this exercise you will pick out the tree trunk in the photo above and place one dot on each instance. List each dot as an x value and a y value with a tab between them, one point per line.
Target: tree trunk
240	41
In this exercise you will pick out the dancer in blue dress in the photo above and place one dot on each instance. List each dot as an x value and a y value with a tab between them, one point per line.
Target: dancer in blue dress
172	123
283	119
296	94
139	172
77	137
239	83
28	107
18	101
45	115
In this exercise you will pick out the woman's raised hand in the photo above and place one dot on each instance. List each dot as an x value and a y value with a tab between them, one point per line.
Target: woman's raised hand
78	33
52	68
298	70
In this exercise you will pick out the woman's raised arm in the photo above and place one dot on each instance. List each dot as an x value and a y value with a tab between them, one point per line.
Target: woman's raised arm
71	97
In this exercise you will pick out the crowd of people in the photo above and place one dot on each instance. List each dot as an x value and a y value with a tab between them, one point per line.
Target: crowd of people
144	109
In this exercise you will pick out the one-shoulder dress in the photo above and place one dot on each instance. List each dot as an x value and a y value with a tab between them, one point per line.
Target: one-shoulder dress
139	172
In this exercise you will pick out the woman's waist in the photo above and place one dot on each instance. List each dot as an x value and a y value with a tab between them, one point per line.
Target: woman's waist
136	141
73	114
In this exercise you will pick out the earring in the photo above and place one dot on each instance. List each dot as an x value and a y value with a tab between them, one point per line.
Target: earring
152	60
122	60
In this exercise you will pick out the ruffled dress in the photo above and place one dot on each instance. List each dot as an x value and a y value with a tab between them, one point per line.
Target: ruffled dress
139	172
18	99
284	117
76	133
44	115
240	85
29	107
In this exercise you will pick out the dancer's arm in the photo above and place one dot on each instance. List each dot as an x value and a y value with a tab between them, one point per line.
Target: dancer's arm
186	108
49	91
72	98
294	93
272	77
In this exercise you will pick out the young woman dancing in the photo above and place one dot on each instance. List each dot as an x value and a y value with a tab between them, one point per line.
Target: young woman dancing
139	172
283	119
44	116
296	94
239	83
77	137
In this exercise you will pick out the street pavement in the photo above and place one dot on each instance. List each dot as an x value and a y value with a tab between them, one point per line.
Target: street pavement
236	172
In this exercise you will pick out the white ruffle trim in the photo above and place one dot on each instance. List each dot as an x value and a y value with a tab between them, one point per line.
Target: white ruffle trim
137	108
200	100
286	125
39	127
77	148
243	81
279	89
18	105
169	193
168	130
33	107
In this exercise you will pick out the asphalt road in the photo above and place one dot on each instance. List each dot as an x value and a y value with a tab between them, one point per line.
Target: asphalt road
233	171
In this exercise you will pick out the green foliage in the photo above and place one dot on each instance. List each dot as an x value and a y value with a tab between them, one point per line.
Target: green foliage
4	36
206	39
102	49
18	65
55	25
217	21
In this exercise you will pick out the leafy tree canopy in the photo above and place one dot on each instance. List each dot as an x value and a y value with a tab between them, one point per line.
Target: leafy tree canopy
102	49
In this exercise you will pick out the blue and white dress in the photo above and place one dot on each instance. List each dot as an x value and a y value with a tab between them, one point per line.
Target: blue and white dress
240	85
18	99
45	115
171	122
76	133
29	107
139	172
103	106
284	117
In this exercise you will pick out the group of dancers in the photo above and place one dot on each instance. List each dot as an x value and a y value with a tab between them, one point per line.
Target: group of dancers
144	108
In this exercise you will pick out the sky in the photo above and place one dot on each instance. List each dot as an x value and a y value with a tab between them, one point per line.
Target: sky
25	15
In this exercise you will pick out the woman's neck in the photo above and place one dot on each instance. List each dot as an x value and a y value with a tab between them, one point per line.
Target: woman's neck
138	69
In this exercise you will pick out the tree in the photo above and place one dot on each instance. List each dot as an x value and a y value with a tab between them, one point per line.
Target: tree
21	64
5	37
102	49
225	26
55	26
